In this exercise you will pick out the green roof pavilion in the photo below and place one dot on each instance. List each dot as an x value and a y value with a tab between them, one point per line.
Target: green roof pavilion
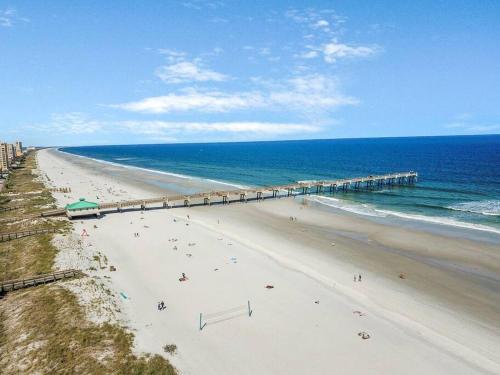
82	204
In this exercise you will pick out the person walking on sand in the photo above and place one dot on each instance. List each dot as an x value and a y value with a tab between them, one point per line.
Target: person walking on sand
354	278
359	278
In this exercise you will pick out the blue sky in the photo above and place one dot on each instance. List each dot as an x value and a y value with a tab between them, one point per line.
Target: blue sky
95	72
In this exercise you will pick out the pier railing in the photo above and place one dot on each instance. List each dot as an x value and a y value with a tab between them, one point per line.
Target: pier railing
224	197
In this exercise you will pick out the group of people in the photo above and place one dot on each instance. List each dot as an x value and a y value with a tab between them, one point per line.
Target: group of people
161	306
358	278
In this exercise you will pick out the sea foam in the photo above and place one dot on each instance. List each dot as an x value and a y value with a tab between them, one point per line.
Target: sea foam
488	207
368	210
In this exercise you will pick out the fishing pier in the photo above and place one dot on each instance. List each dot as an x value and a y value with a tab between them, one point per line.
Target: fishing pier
256	194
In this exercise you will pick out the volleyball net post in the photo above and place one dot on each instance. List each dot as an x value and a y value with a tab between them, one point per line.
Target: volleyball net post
202	324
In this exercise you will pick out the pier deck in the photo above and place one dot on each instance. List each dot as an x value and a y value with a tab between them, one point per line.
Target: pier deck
243	195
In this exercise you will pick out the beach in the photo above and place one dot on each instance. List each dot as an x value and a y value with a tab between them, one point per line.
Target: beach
284	286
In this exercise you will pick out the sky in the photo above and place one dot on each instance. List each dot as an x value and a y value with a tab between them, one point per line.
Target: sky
134	72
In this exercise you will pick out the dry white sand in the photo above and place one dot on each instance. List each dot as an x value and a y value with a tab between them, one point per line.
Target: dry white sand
308	323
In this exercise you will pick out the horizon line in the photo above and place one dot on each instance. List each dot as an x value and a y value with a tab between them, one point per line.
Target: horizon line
275	140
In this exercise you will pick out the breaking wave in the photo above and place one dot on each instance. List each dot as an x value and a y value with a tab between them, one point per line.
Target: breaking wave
488	208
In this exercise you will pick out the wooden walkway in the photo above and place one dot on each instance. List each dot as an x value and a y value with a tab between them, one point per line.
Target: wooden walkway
5	209
15	235
243	195
11	285
298	188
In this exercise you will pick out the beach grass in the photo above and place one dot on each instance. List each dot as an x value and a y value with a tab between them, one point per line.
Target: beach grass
44	329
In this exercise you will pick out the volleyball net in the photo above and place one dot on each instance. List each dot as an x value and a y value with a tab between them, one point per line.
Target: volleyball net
224	315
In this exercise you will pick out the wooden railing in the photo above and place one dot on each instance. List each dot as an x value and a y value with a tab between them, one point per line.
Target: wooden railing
15	235
11	285
5	209
259	192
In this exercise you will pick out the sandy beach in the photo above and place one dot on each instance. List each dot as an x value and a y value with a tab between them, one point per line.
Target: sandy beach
426	302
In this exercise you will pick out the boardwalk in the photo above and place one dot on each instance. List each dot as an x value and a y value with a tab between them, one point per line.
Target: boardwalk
15	235
243	195
5	209
11	285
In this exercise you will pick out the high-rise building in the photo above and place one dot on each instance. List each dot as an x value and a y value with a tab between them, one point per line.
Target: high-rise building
19	148
10	152
4	157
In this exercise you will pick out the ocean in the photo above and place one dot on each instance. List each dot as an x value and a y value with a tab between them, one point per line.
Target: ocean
458	185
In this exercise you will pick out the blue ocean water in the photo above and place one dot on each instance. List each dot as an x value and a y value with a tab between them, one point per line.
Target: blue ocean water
459	176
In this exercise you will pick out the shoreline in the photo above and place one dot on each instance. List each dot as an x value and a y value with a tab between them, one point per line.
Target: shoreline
419	312
435	224
208	182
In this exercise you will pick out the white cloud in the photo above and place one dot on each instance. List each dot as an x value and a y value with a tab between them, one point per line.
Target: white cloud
303	94
70	123
201	101
8	17
163	128
76	123
185	71
202	4
320	24
312	92
334	51
325	20
172	55
264	51
309	55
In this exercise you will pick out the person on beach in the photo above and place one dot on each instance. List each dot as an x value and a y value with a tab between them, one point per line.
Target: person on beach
354	278
359	278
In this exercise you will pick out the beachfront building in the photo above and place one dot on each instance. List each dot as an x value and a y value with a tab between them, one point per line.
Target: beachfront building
4	157
10	152
82	208
19	149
